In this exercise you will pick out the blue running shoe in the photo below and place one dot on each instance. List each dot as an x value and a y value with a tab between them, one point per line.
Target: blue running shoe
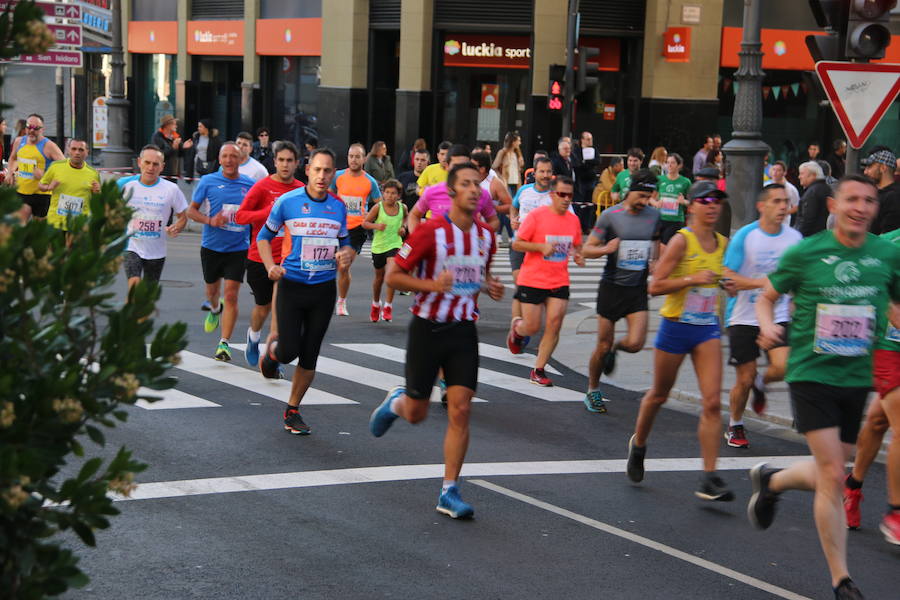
251	351
382	418
442	383
593	401
453	506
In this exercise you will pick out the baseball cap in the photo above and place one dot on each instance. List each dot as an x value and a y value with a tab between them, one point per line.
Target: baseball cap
705	189
885	157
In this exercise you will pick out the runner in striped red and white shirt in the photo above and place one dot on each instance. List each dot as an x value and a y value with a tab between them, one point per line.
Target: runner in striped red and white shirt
447	262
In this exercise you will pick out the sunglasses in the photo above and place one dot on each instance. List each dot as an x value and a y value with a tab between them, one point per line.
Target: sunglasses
564	194
34	127
706	201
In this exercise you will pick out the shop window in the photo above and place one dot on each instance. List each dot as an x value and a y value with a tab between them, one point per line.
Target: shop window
293	96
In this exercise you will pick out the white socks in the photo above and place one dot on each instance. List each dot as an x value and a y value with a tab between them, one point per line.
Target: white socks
253	335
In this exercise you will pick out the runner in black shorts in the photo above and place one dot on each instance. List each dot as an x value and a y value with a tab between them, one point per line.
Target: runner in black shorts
627	234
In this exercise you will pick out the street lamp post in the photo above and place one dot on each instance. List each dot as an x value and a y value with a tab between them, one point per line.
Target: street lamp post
746	149
116	153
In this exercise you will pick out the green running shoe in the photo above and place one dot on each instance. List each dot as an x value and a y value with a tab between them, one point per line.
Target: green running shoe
223	352
211	321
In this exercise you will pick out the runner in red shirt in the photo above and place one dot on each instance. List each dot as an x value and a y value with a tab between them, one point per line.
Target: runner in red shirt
548	236
254	211
446	261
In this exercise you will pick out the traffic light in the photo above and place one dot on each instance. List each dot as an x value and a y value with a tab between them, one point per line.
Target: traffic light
867	28
587	71
831	15
557	92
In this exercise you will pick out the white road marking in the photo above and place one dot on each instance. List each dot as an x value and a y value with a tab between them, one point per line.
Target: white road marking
644	541
502	353
246	379
361	375
171	399
518	384
302	479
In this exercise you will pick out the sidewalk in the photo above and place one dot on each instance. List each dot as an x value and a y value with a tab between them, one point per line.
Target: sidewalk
635	371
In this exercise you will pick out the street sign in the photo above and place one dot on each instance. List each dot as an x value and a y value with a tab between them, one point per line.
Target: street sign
860	94
52	58
66	35
51	9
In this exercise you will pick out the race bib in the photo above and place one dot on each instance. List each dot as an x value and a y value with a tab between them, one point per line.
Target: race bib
633	254
69	205
354	205
145	227
669	206
700	306
317	254
892	334
562	247
26	168
467	274
844	330
229	211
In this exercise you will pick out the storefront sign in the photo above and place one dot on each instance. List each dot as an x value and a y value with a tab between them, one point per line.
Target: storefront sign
504	51
289	37
101	122
490	95
690	14
785	49
677	44
216	38
153	37
609	112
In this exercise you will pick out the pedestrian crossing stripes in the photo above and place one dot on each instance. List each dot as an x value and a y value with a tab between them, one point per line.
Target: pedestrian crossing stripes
228	375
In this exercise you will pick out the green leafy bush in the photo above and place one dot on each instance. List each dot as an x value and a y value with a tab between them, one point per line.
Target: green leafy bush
71	356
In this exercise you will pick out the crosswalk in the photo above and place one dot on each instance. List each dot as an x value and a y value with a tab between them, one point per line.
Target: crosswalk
360	367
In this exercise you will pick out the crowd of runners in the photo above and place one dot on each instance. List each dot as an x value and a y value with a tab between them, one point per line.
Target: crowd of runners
823	308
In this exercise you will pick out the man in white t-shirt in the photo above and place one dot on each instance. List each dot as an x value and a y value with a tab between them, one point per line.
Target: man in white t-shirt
777	172
249	166
752	254
153	200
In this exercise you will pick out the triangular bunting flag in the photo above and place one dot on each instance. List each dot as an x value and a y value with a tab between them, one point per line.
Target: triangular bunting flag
777	91
766	91
737	86
795	87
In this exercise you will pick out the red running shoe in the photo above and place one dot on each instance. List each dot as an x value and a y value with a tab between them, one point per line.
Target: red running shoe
852	500
387	313
736	437
373	314
515	342
890	527
538	377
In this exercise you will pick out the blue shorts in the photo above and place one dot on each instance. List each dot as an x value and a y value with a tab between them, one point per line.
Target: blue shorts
675	337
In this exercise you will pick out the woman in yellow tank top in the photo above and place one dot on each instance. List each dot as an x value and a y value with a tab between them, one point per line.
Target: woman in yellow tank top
689	273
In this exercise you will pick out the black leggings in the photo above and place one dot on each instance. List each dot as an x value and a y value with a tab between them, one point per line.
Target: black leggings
304	312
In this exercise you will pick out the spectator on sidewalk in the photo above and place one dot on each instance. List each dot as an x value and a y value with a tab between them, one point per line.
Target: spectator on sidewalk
814	201
205	156
378	164
838	159
700	157
262	149
169	141
879	165
509	162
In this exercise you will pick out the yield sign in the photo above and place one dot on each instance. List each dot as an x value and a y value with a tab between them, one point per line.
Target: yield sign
860	94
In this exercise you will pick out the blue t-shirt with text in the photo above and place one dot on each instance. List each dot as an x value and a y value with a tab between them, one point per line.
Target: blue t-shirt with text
221	194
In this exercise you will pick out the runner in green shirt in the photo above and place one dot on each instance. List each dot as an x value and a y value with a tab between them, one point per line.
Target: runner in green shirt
841	281
883	410
672	198
623	179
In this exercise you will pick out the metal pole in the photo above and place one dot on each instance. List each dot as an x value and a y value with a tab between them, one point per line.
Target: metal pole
571	33
746	150
60	110
117	154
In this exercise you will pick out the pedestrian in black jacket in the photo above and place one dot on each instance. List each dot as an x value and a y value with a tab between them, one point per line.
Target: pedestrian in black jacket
168	140
262	149
814	201
203	157
880	165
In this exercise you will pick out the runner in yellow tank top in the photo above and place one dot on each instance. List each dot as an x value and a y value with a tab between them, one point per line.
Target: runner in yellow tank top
689	272
29	157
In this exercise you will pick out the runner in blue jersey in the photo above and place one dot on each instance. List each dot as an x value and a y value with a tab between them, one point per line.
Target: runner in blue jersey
223	249
315	246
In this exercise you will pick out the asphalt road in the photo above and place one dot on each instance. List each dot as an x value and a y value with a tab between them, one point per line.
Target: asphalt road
232	506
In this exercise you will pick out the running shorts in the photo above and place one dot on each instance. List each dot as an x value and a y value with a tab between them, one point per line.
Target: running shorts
39	203
357	238
667	229
149	269
259	282
615	301
886	371
219	265
304	313
380	260
432	346
820	406
515	259
533	295
675	337
742	339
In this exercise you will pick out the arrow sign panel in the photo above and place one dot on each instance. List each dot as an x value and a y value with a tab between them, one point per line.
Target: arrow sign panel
60	11
66	35
860	94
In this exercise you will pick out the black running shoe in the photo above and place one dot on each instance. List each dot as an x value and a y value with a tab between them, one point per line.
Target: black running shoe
269	367
761	508
713	488
293	422
635	467
847	590
609	362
